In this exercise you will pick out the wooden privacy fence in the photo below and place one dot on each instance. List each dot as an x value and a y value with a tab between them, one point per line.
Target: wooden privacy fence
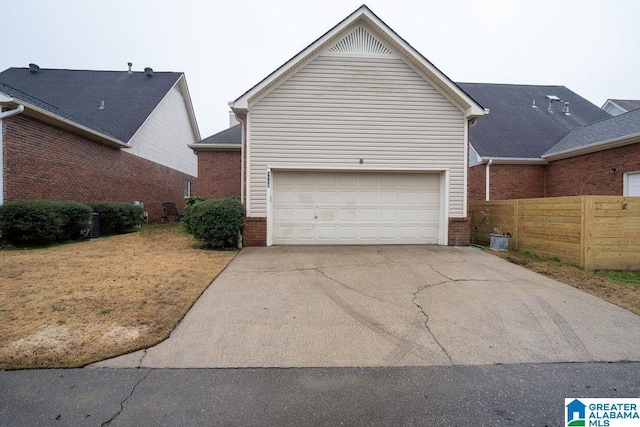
594	232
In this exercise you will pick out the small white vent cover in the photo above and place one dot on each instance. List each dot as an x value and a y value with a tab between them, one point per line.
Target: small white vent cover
360	41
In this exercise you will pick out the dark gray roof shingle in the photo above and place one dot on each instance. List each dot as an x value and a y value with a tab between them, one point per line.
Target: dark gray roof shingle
626	124
514	129
129	98
231	136
627	104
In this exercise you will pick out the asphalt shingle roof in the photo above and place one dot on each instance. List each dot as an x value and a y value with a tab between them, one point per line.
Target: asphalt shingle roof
129	98
627	104
626	124
514	129
231	136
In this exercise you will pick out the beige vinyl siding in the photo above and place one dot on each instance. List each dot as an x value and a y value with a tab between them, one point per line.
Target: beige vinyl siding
341	108
164	137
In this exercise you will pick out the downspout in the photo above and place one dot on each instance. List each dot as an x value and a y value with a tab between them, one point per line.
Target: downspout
486	180
3	115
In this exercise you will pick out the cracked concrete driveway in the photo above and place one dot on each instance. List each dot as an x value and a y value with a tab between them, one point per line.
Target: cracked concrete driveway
359	306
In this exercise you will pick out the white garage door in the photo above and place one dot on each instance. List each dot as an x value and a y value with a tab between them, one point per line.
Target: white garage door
632	187
355	208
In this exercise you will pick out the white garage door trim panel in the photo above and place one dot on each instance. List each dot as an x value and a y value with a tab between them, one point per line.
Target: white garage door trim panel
442	208
631	184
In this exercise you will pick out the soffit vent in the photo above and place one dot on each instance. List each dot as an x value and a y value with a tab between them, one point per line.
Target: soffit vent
360	41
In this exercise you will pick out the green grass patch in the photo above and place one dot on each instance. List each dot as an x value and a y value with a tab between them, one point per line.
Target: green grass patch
632	277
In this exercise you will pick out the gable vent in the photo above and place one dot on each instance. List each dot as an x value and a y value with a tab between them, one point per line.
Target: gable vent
360	41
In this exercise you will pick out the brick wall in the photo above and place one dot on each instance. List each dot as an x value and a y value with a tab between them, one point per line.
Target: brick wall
589	174
507	182
218	174
475	183
254	232
42	161
459	231
516	181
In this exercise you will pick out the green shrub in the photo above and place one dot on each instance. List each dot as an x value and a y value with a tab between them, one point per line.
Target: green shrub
189	201
188	209
117	218
216	222
42	222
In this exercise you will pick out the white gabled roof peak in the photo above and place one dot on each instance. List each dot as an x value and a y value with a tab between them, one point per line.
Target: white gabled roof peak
344	38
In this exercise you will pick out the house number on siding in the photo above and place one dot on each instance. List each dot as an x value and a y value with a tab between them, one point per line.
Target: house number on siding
268	179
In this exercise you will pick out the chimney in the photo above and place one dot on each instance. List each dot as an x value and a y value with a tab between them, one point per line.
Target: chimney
565	109
33	68
148	71
130	65
232	119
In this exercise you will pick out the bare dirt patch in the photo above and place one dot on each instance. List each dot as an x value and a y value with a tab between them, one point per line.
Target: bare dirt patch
625	295
70	305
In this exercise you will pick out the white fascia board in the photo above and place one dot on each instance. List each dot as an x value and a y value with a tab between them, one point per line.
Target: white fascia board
471	108
215	147
597	146
186	95
514	160
66	123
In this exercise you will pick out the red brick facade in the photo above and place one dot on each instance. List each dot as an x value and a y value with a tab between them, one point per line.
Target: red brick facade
218	174
507	182
588	174
254	232
459	231
42	161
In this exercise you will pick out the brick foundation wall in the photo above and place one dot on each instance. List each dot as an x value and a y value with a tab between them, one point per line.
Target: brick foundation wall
589	174
218	174
42	161
254	232
459	231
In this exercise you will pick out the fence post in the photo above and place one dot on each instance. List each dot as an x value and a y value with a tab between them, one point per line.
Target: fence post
515	223
586	240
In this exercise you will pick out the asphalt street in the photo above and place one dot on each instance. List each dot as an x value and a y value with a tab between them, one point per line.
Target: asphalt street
489	395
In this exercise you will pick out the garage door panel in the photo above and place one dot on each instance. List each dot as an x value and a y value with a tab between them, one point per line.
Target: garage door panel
355	208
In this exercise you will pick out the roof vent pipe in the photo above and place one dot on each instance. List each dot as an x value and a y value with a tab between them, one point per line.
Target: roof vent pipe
130	65
148	71
565	109
34	68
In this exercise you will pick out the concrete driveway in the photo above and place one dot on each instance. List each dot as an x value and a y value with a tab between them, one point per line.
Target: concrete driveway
362	306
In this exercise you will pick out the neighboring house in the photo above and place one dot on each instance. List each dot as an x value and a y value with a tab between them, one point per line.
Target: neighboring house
91	136
219	163
546	141
358	139
616	107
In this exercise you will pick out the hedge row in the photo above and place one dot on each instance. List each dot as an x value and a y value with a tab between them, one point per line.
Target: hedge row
42	222
117	218
215	222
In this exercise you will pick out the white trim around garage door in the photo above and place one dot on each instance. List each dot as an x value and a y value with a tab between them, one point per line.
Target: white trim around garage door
443	228
627	183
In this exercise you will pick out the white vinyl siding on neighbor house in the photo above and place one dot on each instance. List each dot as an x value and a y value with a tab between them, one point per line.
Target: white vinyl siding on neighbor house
341	108
164	137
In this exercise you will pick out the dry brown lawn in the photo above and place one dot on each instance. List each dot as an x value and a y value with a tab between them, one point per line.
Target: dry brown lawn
70	305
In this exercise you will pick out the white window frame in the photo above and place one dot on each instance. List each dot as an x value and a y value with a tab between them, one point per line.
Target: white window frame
186	188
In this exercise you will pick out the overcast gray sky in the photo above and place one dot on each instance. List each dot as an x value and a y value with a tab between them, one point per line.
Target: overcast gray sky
225	47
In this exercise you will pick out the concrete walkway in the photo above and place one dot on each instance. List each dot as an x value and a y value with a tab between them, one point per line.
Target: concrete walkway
388	306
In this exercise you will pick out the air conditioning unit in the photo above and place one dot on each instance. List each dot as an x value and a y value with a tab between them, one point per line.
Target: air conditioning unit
95	226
